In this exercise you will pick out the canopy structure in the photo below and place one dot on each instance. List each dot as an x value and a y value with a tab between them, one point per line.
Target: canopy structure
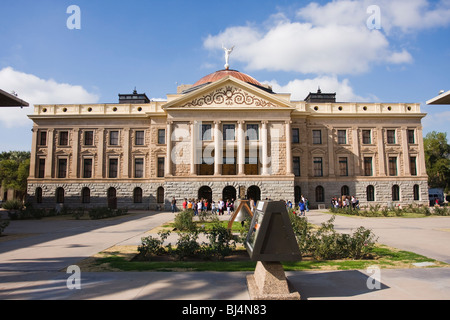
10	100
443	98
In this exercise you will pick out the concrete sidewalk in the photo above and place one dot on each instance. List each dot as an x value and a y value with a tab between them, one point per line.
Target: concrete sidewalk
33	267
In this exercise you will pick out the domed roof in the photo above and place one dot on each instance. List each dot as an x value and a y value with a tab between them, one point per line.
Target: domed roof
226	72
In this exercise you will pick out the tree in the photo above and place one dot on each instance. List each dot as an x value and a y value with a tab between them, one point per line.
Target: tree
437	160
14	170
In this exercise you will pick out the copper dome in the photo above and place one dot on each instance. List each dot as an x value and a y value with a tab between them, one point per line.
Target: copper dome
227	72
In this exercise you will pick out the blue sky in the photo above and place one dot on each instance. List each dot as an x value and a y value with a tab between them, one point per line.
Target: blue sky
154	45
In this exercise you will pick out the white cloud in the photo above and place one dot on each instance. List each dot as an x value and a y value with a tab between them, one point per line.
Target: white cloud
37	91
331	38
301	88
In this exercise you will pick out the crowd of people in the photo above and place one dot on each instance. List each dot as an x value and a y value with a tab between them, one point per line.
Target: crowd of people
299	208
345	202
202	206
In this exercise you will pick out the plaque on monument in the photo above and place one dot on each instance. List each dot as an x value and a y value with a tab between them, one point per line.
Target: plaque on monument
271	237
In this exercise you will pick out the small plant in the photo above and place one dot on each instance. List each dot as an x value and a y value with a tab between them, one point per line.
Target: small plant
3	225
12	205
187	245
184	221
152	246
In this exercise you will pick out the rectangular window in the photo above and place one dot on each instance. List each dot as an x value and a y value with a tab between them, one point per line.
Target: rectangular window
392	166
87	168
161	167
296	166
229	132
206	133
253	132
317	136
368	166
413	166
162	136
318	168
411	137
63	138
139	168
366	137
42	138
113	168
390	136
139	139
89	138
114	138
342	136
41	168
343	166
62	168
295	135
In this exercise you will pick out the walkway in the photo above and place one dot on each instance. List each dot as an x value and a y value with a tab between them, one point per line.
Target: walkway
30	267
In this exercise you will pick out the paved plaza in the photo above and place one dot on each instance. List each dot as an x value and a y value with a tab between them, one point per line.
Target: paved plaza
32	267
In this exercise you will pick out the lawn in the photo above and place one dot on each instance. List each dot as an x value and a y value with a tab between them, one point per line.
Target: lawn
121	259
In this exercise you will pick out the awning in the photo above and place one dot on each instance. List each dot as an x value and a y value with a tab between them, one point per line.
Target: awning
443	98
9	100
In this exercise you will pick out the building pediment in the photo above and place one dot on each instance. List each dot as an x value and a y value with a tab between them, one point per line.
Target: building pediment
228	93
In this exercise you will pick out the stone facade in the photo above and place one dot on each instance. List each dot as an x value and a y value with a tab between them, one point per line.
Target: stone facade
141	155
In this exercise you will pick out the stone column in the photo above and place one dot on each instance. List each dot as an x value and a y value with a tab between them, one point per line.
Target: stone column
50	155
289	164
126	153
381	153
218	149
405	151
356	152
168	162
241	148
193	148
33	153
264	148
421	167
331	159
75	153
101	151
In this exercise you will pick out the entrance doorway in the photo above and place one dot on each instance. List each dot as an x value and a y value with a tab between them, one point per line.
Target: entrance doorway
254	192
229	193
112	198
205	192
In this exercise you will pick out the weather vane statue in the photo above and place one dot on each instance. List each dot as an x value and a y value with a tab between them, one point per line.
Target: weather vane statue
227	56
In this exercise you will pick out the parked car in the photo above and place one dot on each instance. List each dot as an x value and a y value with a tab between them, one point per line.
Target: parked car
436	196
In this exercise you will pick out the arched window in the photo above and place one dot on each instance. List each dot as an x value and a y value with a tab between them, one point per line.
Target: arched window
60	195
370	192
160	195
86	195
416	191
297	194
137	195
395	193
345	191
320	194
39	195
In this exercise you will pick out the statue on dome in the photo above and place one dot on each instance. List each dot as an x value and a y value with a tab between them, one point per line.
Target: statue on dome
227	56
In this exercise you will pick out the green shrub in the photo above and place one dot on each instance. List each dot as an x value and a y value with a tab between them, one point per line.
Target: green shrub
152	247
186	246
221	242
184	221
12	205
3	225
326	244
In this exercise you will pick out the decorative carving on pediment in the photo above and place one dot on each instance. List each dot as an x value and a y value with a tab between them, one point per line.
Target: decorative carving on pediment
229	95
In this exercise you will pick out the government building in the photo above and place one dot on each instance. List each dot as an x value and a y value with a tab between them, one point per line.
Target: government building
227	136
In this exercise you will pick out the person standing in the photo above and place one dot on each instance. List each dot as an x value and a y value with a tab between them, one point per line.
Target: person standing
173	204
302	208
